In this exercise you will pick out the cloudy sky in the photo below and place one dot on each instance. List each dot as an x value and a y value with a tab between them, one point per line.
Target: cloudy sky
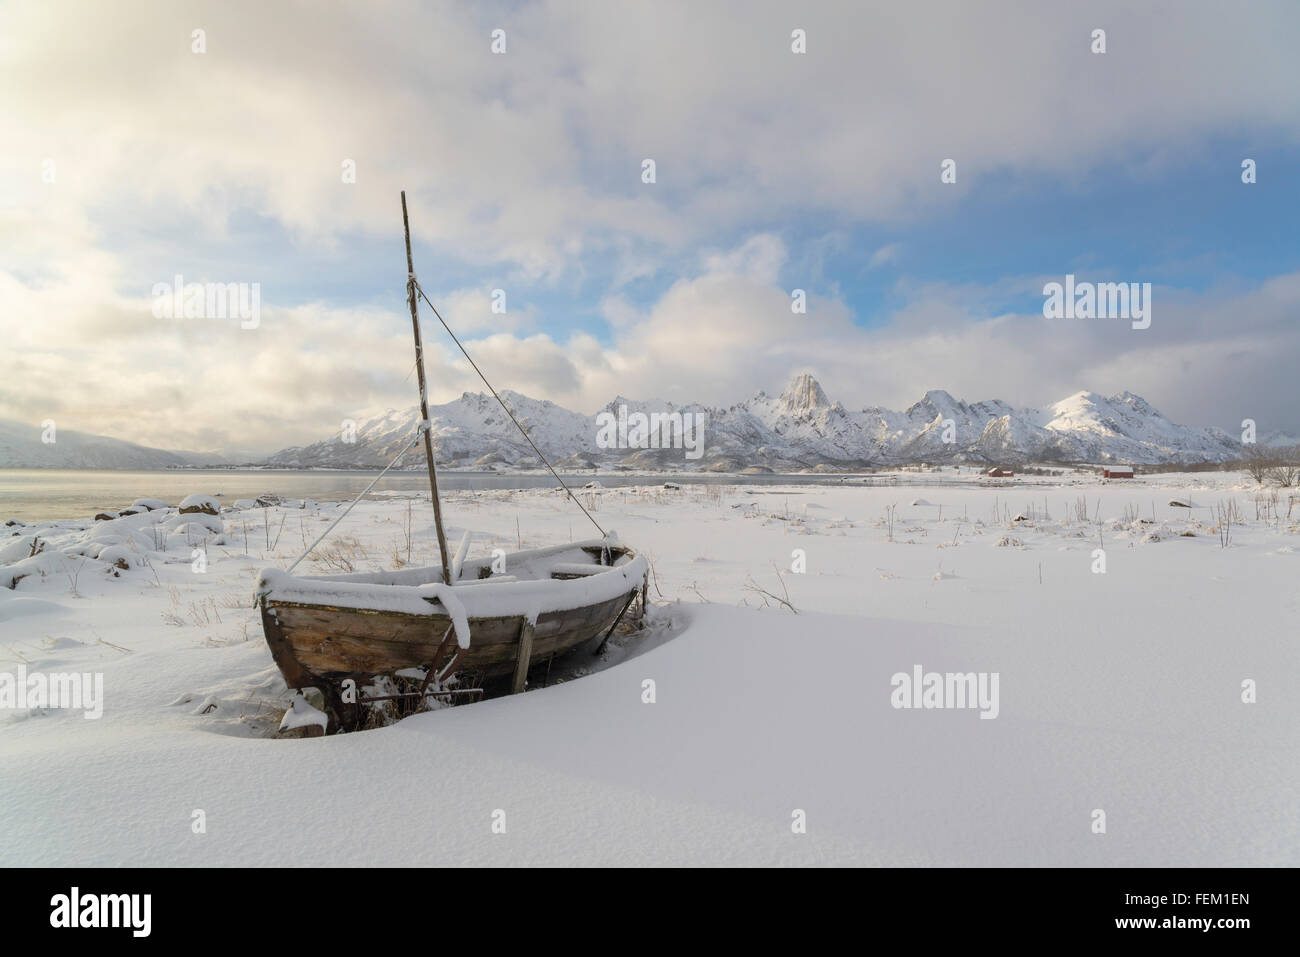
128	158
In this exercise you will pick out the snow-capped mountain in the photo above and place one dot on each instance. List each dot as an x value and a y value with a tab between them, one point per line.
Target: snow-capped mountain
801	428
470	430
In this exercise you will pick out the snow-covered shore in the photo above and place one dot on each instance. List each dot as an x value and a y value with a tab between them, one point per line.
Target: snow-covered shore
1119	691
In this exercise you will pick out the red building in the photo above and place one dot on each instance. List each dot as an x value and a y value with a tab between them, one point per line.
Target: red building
1117	473
1000	473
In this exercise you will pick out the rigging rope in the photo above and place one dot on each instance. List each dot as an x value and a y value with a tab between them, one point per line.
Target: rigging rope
418	433
522	431
424	426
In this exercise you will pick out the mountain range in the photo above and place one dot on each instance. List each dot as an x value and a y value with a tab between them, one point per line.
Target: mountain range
799	429
802	428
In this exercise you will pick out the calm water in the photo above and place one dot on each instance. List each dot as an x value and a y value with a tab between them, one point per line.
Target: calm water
42	494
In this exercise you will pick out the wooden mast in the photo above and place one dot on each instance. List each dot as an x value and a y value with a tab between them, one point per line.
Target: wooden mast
424	399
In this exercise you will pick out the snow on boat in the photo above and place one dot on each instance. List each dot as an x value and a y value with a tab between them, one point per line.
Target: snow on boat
324	630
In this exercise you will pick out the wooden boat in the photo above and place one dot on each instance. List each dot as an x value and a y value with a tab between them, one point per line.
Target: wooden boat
468	618
324	630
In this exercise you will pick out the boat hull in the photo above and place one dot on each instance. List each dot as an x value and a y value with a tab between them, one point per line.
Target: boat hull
317	644
323	631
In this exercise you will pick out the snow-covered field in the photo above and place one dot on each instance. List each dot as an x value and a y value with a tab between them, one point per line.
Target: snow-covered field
1119	692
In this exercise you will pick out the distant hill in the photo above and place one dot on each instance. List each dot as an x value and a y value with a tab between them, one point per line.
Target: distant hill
21	447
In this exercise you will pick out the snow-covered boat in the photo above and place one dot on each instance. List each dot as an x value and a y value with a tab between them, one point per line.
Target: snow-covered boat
542	602
445	623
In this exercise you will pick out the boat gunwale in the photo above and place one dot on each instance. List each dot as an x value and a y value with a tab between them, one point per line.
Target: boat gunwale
435	571
535	596
346	609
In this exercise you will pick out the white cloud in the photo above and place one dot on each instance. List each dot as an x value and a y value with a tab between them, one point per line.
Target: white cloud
759	257
472	310
885	255
1207	359
530	163
715	337
530	156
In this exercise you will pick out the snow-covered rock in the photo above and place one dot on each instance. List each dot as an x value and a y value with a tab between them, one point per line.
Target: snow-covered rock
204	504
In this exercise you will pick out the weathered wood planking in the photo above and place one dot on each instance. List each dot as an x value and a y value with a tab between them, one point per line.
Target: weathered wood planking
313	642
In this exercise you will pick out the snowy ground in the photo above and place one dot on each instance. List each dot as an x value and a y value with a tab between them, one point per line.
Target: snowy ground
1119	692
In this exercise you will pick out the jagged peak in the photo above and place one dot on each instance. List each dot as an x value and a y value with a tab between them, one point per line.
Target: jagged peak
1083	397
1096	403
934	402
1133	401
804	394
613	404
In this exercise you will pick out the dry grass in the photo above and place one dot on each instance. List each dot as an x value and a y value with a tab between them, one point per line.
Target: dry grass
345	554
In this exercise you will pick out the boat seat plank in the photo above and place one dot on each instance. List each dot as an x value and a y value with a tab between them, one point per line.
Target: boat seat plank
567	570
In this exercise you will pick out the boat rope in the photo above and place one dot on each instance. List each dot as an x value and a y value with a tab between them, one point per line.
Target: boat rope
522	431
418	434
